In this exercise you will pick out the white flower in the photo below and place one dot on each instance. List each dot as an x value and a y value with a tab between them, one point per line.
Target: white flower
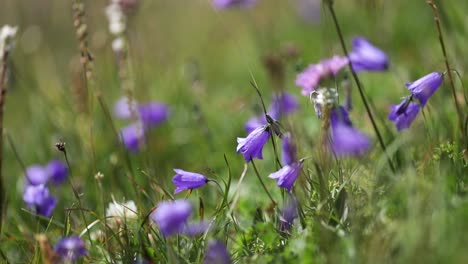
116	17
122	211
7	33
118	45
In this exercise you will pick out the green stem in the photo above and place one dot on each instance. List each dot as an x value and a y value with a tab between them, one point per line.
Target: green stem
262	183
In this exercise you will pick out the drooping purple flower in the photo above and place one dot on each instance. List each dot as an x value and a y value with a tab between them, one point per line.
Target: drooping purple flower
282	104
403	114
153	114
193	229
310	78
57	170
124	108
252	146
133	137
38	199
216	253
185	180
171	217
366	57
425	87
286	176
71	248
345	139
289	150
224	4
255	122
37	175
288	214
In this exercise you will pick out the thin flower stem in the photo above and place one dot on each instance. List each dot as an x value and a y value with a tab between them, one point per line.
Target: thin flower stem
262	183
359	86
447	64
3	73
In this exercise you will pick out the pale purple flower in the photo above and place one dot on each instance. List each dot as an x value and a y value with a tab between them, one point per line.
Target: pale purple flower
425	87
404	114
252	146
185	180
152	114
283	103
310	78
216	253
124	108
286	176
39	200
71	248
224	4
171	217
37	175
57	170
133	137
288	214
194	229
255	122
366	57
289	149
345	139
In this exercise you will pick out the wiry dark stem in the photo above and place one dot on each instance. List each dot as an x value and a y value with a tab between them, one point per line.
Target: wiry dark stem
447	64
359	86
3	73
262	183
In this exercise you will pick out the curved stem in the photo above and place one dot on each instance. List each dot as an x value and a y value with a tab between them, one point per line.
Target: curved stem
262	183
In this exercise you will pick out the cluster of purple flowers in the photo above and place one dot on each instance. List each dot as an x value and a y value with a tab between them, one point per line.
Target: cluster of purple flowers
422	89
149	116
36	193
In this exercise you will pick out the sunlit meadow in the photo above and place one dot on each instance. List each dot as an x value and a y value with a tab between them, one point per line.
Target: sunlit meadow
233	131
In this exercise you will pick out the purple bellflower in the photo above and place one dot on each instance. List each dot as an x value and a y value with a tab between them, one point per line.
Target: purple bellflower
37	175
404	114
39	199
286	176
185	180
366	57
310	78
193	229
57	170
123	108
288	214
252	146
345	139
71	248
289	150
224	4
216	253
171	217
425	87
153	114
133	137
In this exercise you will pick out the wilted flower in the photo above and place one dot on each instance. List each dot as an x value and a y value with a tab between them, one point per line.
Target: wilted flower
71	248
37	175
252	146
224	4
122	211
39	199
366	57
152	114
424	87
286	176
310	78
345	139
171	217
289	150
216	253
404	114
133	137
185	180
57	170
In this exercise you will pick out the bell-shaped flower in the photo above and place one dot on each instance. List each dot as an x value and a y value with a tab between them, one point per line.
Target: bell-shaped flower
216	253
185	180
366	57
289	149
425	87
57	170
404	114
310	78
39	199
252	146
345	139
37	175
71	248
132	137
171	217
286	176
152	114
